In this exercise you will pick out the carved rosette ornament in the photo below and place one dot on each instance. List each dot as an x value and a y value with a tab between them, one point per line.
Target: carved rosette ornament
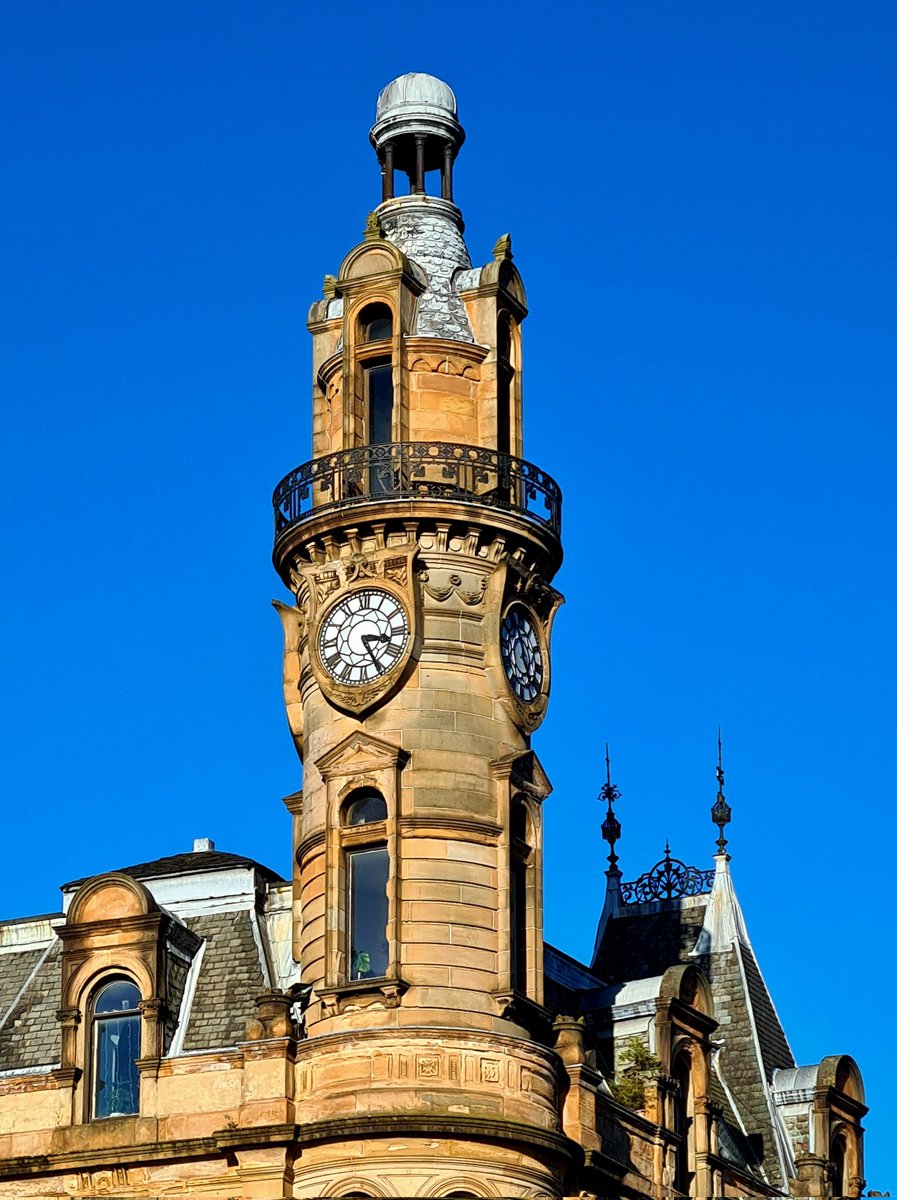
362	625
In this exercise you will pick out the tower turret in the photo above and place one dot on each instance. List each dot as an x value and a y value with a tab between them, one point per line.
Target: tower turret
420	548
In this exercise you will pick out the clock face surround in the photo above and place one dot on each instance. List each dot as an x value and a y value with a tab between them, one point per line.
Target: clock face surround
521	654
363	636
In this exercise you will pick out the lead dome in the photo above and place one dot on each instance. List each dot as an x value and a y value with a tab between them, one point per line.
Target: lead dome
416	105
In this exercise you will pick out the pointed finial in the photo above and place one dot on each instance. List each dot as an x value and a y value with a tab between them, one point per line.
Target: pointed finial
610	826
721	813
502	248
329	287
373	231
666	848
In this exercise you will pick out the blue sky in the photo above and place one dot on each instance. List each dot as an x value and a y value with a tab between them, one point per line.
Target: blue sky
702	202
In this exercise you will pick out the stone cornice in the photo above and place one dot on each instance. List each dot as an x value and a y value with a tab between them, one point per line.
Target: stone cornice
488	1129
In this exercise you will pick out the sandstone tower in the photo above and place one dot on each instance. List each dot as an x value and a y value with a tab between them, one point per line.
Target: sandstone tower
388	1021
420	547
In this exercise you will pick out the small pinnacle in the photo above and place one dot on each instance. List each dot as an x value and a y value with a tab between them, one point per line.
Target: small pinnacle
372	228
610	826
721	812
502	248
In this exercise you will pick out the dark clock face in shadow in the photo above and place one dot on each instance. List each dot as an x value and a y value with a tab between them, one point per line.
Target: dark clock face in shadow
521	654
363	636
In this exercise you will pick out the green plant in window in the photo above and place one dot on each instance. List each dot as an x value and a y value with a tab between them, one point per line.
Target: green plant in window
361	964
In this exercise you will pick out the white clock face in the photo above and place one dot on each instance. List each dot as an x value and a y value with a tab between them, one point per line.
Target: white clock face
521	654
363	636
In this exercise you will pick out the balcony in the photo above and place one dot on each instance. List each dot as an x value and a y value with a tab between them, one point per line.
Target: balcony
425	472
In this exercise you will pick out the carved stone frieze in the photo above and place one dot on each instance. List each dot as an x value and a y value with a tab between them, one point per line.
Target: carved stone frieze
442	586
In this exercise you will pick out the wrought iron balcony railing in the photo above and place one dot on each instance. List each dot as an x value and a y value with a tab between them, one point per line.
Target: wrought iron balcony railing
417	471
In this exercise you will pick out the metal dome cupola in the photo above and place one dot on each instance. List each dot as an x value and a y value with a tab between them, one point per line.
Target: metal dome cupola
417	130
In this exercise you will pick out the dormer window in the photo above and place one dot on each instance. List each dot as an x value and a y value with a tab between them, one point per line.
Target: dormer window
116	1049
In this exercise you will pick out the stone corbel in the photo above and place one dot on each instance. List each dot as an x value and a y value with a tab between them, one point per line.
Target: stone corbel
362	993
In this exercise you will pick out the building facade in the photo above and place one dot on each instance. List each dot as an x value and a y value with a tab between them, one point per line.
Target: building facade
389	1021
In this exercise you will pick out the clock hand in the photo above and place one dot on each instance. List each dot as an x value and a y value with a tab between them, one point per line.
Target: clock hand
367	638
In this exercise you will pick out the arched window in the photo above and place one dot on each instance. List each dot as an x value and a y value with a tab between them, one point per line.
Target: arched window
683	1124
375	323
365	806
116	1048
504	383
838	1162
375	326
367	876
520	853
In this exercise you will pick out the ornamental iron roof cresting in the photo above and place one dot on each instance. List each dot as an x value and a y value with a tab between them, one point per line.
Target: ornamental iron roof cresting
667	880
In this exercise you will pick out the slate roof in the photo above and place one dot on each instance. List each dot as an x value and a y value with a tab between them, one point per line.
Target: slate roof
191	863
29	1030
564	981
430	237
646	939
642	941
229	980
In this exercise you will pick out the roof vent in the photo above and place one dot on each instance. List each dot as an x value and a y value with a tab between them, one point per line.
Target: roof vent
200	844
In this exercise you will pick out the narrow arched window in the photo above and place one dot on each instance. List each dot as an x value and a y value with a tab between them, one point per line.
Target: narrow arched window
367	877
838	1160
683	1124
116	1049
375	323
504	383
520	852
365	806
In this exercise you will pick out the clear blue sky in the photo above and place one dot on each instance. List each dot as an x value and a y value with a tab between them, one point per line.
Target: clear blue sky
702	200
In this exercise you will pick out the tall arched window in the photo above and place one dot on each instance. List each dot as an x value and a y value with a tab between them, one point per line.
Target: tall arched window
683	1113
367	876
116	1048
838	1162
504	383
375	327
520	853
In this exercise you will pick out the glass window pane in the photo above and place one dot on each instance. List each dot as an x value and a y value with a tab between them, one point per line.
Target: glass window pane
367	806
368	949
118	996
379	389
117	1080
376	323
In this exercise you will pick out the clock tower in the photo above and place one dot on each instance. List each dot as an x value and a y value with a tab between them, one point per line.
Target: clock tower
420	547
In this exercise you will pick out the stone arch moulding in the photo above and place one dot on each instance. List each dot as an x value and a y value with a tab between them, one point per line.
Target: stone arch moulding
467	1185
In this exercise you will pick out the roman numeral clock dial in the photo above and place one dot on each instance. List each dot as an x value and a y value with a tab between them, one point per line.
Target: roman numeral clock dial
362	637
521	654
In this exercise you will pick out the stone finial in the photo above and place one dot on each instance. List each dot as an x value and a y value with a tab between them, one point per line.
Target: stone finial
501	251
329	287
373	231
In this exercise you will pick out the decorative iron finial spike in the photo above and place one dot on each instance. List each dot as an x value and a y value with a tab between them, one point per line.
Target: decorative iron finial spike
721	813
610	826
